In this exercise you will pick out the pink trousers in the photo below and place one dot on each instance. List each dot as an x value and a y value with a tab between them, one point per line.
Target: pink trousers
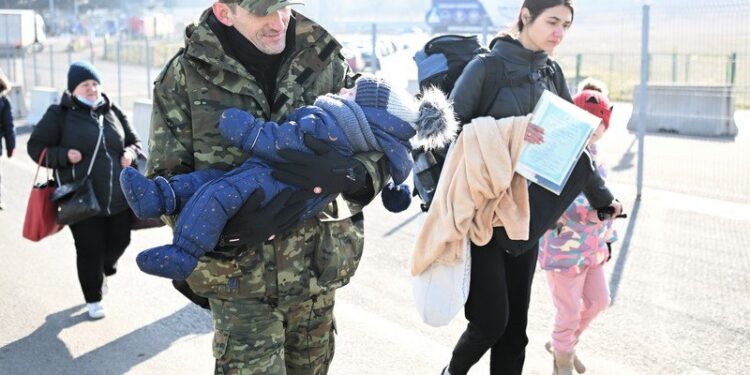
578	299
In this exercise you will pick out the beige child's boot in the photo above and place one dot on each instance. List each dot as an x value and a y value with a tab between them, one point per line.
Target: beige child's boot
577	364
563	363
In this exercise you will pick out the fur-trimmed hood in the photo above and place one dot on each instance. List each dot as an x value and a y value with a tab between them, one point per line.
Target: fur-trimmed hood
436	125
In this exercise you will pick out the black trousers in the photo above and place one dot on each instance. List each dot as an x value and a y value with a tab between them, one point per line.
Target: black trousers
497	310
100	241
501	276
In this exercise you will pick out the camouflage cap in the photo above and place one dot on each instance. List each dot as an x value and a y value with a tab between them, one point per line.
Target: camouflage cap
263	7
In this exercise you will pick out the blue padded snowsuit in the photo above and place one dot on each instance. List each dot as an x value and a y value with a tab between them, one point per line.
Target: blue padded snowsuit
202	220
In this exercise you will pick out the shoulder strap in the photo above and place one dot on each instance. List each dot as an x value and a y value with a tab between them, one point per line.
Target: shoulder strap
98	143
42	156
96	149
495	79
556	78
494	72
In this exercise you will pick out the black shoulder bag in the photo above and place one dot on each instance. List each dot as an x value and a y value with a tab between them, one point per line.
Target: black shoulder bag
76	201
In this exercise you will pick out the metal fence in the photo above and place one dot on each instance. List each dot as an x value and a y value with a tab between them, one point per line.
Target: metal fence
691	43
694	69
127	66
622	71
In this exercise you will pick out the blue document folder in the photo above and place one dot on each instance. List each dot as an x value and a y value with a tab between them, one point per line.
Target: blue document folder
567	129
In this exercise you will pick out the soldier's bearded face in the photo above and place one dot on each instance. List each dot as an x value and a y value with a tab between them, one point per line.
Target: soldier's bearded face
267	33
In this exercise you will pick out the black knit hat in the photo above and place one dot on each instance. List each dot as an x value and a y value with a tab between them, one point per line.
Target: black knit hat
80	71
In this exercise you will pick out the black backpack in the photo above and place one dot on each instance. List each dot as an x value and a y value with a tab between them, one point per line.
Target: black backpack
440	64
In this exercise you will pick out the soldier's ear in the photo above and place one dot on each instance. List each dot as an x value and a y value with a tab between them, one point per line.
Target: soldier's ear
221	12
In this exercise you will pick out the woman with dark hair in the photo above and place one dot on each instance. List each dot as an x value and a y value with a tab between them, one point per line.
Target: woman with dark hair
86	134
503	269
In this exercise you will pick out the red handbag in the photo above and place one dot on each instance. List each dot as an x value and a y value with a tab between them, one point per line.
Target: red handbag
41	212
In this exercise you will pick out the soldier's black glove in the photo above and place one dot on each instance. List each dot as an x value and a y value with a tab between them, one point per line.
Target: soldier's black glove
254	224
326	172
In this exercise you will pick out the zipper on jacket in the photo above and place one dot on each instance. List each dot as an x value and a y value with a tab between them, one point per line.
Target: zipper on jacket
100	120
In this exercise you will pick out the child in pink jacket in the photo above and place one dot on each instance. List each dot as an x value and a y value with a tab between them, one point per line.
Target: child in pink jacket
574	252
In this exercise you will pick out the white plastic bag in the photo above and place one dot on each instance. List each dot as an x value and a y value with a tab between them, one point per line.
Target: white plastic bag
441	291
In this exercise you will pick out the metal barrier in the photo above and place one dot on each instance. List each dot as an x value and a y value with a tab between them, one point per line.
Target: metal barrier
17	98
41	99
141	120
698	110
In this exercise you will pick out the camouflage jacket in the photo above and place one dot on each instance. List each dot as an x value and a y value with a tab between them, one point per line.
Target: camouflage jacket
190	94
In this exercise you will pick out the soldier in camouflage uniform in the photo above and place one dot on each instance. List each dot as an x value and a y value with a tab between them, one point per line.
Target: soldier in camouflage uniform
272	302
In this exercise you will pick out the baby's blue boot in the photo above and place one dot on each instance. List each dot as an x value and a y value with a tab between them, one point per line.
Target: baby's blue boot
147	198
167	261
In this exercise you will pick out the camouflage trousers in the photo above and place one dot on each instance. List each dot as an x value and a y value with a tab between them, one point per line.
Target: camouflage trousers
256	337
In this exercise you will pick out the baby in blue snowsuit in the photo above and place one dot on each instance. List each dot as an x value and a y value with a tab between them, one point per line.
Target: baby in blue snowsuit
371	117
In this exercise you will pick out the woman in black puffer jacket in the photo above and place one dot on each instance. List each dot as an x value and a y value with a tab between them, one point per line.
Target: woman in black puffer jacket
503	270
70	131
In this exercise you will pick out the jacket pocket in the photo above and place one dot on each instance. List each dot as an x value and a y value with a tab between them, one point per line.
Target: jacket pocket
338	252
221	341
215	278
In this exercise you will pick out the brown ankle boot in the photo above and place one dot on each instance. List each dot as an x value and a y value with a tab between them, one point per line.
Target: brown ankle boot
577	364
563	363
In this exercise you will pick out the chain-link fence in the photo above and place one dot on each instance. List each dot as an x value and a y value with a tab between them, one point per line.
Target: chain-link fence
122	64
697	96
692	43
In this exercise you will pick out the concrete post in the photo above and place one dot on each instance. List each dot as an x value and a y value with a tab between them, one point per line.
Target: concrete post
119	68
33	64
485	29
148	69
643	95
8	54
51	65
